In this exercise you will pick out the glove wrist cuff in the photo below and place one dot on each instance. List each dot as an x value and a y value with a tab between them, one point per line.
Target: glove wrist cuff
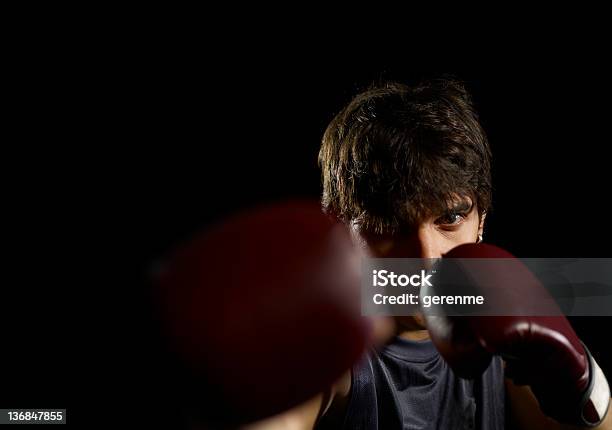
597	396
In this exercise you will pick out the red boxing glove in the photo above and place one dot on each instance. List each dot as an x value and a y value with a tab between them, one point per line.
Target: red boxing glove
543	352
262	311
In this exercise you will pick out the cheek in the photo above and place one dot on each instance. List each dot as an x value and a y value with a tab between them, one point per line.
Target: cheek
467	233
469	229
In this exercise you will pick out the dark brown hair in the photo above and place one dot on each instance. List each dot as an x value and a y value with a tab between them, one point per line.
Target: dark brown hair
396	154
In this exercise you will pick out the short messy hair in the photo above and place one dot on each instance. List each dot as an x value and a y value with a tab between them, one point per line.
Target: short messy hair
397	153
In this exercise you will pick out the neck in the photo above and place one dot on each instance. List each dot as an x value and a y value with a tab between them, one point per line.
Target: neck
411	327
414	334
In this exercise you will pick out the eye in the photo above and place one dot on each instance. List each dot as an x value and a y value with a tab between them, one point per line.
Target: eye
451	219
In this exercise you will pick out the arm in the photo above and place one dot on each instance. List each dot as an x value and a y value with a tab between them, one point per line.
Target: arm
306	415
541	351
301	417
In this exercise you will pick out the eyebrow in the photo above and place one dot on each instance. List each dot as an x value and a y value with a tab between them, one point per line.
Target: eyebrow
462	206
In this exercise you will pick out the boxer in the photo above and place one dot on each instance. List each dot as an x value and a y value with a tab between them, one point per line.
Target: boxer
407	170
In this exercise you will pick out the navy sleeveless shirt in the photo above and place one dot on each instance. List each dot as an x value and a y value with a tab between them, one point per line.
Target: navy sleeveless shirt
407	385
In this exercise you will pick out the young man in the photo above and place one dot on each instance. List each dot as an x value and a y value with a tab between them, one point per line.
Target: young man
408	170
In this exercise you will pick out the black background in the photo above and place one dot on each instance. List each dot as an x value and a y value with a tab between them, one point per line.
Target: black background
121	155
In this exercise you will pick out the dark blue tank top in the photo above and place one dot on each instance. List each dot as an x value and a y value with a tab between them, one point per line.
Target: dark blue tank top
407	385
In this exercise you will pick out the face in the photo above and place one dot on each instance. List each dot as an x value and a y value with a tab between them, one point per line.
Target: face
431	238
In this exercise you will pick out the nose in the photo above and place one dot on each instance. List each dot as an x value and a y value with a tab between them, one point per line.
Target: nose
423	242
428	243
